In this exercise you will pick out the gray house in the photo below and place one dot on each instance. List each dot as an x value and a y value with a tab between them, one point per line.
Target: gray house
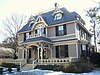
53	37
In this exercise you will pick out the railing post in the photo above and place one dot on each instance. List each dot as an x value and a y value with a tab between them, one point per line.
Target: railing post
20	65
33	64
70	59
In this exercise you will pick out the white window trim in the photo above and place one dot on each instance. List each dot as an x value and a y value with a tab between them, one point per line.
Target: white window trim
58	16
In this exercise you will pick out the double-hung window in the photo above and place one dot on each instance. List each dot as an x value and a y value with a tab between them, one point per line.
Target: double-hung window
40	31
61	30
61	51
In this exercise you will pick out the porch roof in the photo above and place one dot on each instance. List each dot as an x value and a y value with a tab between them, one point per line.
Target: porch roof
37	39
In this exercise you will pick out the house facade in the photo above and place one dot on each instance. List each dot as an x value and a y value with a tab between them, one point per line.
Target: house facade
54	36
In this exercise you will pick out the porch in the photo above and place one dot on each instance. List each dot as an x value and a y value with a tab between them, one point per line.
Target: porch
41	51
34	62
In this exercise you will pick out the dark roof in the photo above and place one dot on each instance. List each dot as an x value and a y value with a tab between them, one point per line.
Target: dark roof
49	19
37	39
74	14
66	40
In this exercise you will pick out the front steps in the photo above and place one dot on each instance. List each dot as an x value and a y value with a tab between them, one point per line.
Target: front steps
27	67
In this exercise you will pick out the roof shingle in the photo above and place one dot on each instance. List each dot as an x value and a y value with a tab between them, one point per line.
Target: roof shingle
49	19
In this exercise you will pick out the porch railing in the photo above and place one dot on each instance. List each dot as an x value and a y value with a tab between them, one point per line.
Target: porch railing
58	61
35	62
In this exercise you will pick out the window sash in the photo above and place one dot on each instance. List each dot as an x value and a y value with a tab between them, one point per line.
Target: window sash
40	31
61	51
58	16
61	30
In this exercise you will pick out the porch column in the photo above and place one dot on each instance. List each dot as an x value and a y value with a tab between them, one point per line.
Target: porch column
26	53
41	53
77	50
51	50
38	52
23	54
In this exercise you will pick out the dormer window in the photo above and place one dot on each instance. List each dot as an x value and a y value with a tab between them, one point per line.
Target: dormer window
31	23
58	16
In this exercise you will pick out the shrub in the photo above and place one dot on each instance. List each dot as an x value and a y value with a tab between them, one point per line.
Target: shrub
8	65
71	68
95	58
79	68
1	70
47	67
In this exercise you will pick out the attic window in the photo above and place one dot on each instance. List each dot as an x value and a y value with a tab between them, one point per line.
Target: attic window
57	16
31	23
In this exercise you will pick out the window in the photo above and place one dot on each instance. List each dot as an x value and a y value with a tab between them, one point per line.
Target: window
61	51
40	31
57	51
24	36
27	35
58	16
31	23
61	30
83	47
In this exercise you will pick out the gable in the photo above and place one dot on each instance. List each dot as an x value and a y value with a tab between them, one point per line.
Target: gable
39	23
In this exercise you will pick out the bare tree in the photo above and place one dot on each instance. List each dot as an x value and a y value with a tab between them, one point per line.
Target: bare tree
12	25
94	15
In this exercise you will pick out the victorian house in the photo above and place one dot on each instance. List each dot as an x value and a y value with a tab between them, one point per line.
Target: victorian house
54	36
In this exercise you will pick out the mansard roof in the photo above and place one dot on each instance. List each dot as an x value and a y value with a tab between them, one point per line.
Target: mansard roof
49	19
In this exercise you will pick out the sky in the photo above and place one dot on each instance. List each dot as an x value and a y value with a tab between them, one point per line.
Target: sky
31	7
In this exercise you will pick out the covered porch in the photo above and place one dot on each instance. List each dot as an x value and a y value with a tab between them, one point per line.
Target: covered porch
36	48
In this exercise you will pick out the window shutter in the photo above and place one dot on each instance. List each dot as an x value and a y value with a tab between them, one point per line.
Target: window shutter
65	30
56	31
29	33
44	30
57	51
66	50
81	49
24	36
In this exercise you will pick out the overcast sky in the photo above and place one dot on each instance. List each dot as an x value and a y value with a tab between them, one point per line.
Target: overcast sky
31	7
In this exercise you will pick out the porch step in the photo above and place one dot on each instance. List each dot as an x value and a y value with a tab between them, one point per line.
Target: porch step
27	67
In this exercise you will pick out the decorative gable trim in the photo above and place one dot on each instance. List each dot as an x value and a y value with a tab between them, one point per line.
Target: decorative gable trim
39	20
57	10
